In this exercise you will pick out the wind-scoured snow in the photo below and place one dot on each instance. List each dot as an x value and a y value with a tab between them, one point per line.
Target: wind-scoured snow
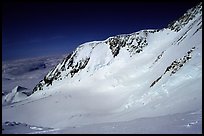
150	76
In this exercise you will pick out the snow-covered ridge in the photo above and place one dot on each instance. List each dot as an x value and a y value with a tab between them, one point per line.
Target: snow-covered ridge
177	25
78	60
134	43
18	94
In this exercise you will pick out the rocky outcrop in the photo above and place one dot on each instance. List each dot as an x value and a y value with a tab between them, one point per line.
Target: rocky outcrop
182	21
134	42
175	65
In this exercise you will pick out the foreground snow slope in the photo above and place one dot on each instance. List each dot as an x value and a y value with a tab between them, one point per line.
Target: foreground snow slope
179	123
149	73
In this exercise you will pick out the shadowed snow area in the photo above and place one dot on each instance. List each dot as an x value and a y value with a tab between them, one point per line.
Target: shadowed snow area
145	82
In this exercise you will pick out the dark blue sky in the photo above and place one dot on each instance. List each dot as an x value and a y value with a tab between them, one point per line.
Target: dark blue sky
42	29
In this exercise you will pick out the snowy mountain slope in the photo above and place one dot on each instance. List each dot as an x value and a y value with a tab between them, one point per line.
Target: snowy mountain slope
92	56
150	73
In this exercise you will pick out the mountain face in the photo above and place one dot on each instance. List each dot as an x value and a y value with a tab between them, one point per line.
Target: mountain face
92	56
87	57
148	73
